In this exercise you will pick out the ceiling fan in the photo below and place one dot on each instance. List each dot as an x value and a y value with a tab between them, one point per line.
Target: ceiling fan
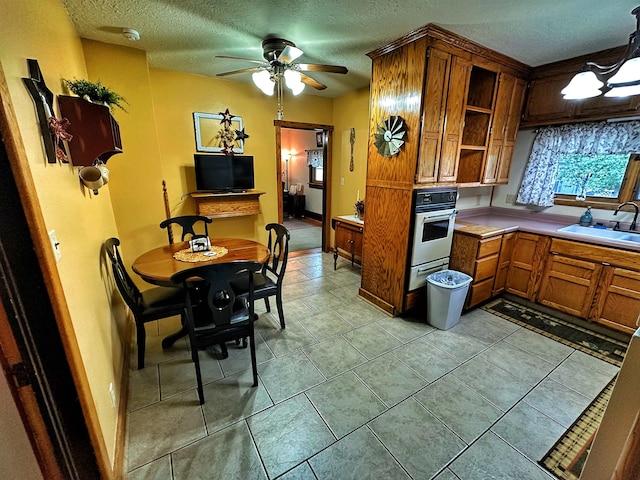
279	55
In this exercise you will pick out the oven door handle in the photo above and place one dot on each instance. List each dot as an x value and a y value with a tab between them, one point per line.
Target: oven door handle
437	217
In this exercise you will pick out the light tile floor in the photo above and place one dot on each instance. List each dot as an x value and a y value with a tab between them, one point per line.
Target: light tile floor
348	392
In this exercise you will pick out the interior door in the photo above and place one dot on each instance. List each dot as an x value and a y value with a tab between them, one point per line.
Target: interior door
327	136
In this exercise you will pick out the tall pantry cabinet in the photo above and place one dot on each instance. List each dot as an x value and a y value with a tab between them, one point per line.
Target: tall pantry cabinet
461	106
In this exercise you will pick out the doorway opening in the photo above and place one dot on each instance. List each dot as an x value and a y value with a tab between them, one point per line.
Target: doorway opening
304	170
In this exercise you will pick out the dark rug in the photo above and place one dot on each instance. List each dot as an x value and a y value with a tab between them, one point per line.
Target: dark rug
596	344
566	458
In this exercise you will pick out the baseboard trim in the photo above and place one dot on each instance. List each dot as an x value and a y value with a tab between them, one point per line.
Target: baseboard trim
123	401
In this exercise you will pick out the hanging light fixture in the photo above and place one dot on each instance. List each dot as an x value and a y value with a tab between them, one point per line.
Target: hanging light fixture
272	77
622	78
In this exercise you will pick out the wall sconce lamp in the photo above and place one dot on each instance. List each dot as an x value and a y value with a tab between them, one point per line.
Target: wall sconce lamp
622	78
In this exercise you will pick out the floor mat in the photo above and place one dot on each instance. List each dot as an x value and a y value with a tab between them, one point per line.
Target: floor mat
566	458
601	346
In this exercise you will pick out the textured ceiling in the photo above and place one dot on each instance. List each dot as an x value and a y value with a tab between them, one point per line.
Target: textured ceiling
186	35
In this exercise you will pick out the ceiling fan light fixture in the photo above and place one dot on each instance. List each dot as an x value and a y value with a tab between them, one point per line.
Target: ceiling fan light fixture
264	82
622	74
293	80
294	53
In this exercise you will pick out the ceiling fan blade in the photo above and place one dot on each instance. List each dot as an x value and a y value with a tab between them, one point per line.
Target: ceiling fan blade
244	70
261	62
314	67
289	54
312	82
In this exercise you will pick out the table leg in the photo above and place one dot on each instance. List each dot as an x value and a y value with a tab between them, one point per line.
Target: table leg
335	257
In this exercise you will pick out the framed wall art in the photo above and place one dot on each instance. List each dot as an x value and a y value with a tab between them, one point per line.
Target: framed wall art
219	133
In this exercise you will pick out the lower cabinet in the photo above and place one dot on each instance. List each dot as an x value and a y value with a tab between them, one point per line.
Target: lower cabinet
617	301
348	238
528	255
477	258
569	284
599	284
504	261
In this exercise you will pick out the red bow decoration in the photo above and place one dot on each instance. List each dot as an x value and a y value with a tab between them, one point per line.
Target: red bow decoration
59	130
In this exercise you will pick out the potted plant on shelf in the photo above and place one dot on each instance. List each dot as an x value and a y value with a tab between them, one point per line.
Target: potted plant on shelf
96	93
359	207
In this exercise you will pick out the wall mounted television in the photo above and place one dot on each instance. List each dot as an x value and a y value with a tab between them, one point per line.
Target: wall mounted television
223	173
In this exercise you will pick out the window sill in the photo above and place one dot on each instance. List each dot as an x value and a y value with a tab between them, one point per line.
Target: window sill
318	186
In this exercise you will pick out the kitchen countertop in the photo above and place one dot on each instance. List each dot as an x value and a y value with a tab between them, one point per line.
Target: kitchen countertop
490	221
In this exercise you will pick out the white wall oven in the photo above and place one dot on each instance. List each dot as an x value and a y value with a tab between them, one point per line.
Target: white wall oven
433	223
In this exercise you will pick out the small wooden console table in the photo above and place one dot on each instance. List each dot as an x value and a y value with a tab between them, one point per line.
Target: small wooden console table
348	238
218	205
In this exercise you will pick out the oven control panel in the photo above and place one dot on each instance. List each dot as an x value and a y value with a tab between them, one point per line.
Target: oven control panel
435	198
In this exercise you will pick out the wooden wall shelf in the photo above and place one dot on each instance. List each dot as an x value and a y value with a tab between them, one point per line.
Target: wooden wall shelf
220	205
96	134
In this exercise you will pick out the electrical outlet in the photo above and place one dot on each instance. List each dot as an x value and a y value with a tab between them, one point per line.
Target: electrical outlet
55	245
113	394
511	198
341	180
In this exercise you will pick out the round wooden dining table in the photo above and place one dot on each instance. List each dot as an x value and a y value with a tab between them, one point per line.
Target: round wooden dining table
157	266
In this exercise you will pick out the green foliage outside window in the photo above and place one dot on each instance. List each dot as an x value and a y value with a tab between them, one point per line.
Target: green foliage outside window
593	176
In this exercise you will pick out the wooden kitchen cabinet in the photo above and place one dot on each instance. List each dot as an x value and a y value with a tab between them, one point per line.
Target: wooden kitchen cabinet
545	105
470	121
529	252
506	121
348	239
444	88
617	300
600	284
478	258
569	284
504	261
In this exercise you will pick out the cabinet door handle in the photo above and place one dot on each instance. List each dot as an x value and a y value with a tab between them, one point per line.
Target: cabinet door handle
553	253
606	264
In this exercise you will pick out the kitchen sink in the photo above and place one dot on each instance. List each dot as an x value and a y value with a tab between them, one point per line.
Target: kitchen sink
607	233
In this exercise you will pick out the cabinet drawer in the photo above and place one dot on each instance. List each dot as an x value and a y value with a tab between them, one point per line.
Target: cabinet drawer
486	268
479	292
489	246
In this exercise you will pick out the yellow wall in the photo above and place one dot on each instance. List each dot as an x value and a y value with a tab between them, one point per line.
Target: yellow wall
158	142
177	95
82	221
349	111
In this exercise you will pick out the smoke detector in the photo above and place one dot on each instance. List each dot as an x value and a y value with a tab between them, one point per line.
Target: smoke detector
131	34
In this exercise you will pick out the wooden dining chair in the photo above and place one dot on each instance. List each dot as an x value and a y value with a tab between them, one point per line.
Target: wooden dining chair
214	314
268	282
187	222
152	304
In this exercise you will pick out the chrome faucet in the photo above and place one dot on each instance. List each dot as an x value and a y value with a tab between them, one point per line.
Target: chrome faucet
635	217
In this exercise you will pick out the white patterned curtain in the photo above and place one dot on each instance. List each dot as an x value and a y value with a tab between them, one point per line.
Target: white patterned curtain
593	138
314	157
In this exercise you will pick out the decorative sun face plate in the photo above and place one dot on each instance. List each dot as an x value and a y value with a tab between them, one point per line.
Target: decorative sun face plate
389	136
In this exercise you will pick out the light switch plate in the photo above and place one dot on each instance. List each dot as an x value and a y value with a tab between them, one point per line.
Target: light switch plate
55	245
